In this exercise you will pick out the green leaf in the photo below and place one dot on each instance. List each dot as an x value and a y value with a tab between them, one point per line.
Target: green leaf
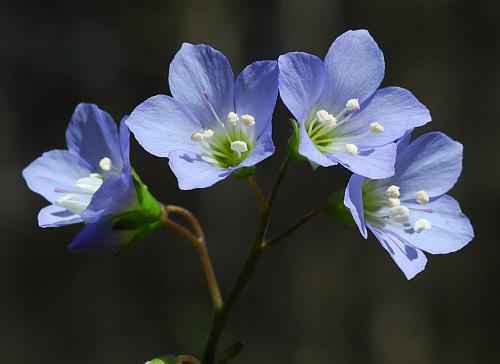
336	209
243	172
293	142
167	359
231	352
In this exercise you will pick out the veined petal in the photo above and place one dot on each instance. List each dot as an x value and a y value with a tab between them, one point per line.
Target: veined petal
355	67
199	70
301	80
93	135
396	109
309	150
451	230
377	162
353	200
124	137
162	124
56	169
256	91
55	216
263	149
193	172
409	259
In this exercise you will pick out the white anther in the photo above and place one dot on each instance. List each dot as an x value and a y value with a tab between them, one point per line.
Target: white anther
208	134
249	120
352	104
239	146
376	128
106	164
96	175
422	197
233	118
71	203
394	202
327	119
392	192
90	184
352	149
399	214
197	137
421	225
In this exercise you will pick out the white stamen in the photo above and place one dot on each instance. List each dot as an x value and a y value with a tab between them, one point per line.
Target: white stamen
208	134
421	225
394	202
399	214
392	192
422	197
106	164
197	137
71	203
327	119
249	120
239	146
90	184
376	128
233	118
352	149
352	104
96	175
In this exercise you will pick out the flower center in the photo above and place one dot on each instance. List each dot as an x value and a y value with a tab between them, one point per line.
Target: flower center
78	199
321	127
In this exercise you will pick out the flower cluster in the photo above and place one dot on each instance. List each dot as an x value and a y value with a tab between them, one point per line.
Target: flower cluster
215	125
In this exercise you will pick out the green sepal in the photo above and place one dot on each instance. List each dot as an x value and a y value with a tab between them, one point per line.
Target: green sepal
293	142
167	359
244	172
336	209
231	352
137	235
148	206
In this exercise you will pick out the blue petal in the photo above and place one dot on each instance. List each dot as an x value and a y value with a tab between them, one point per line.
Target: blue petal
116	195
98	236
93	135
124	137
199	70
353	200
309	150
377	162
355	68
256	91
56	169
55	216
301	81
161	124
193	172
403	142
396	109
432	162
409	259
451	230
263	149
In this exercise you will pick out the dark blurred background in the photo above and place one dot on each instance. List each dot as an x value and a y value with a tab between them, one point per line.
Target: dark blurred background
323	296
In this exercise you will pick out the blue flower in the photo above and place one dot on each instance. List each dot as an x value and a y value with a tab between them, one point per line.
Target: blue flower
213	125
89	182
409	212
344	118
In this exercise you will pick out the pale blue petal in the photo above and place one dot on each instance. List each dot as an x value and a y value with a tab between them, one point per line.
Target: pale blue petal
355	67
161	124
55	216
309	150
99	237
373	163
301	82
409	259
263	149
93	135
199	70
56	169
396	109
193	172
353	200
451	230
256	91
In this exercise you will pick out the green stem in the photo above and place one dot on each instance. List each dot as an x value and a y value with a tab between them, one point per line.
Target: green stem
220	318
